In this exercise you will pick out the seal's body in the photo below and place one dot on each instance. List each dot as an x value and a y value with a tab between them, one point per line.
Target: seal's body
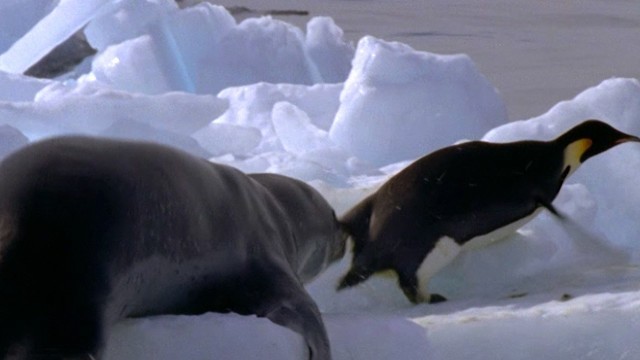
463	196
94	230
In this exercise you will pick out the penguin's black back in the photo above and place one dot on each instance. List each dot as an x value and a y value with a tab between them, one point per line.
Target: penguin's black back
472	188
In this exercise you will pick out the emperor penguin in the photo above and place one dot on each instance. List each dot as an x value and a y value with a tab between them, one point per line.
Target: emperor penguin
462	197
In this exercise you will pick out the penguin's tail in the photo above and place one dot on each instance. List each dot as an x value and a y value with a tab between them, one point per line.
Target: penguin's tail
355	224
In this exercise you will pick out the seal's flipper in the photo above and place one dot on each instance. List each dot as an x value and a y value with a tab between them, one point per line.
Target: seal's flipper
303	317
291	307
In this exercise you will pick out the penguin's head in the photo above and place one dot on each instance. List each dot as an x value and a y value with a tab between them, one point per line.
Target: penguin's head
589	139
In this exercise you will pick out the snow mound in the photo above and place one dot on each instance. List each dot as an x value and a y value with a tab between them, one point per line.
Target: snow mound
202	50
400	104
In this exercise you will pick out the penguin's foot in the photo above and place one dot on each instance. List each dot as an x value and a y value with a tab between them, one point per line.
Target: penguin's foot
436	298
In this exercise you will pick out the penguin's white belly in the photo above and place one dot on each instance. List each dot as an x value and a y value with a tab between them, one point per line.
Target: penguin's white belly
481	241
447	249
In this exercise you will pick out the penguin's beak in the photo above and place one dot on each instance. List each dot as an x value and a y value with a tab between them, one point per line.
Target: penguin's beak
628	138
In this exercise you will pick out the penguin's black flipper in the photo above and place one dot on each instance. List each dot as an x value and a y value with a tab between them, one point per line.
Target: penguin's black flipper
547	205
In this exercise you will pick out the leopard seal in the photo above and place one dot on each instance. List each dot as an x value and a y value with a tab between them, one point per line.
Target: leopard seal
94	230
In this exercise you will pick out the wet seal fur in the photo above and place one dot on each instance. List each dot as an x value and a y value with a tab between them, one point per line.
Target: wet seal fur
463	197
95	230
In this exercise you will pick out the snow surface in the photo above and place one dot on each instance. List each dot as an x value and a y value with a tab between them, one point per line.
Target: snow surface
264	95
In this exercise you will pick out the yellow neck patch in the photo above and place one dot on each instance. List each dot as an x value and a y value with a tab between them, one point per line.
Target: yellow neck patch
574	152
